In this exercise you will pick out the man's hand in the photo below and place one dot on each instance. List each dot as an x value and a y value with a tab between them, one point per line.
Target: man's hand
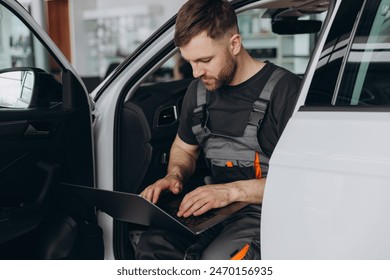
171	182
182	163
204	198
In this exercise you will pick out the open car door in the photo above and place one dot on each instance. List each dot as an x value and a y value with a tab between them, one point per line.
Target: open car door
45	140
327	195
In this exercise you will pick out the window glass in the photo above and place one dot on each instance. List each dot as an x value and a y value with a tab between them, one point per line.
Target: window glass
361	63
289	51
365	81
19	48
324	82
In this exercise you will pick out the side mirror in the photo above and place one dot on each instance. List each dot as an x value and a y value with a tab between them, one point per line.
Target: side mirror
17	87
294	26
29	87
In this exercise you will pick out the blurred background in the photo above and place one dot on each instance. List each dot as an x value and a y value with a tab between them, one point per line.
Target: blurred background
96	35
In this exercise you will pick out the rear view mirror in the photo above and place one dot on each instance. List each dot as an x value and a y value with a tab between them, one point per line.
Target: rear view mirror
16	87
294	26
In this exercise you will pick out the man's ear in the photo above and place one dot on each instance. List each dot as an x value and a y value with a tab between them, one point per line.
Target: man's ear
235	43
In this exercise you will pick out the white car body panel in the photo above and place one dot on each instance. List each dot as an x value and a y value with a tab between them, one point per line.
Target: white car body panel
329	184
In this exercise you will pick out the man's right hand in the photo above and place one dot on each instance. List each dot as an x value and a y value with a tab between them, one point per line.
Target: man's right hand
171	182
182	163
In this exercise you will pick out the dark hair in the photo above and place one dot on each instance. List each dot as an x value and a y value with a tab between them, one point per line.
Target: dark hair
216	17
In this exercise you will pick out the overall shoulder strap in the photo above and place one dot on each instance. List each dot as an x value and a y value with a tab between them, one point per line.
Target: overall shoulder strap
260	106
201	95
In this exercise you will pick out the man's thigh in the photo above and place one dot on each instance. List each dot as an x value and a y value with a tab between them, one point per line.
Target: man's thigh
243	228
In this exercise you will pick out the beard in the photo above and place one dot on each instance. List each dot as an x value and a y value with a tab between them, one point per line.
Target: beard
226	75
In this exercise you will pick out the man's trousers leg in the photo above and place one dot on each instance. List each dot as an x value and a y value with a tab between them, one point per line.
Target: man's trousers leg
159	244
219	243
241	229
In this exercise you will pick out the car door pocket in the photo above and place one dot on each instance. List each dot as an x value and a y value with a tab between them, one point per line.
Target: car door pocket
15	222
20	218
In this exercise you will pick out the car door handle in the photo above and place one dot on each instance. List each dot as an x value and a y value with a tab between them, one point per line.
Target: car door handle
31	131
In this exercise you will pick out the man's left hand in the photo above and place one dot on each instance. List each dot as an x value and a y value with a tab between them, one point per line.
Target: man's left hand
207	197
204	198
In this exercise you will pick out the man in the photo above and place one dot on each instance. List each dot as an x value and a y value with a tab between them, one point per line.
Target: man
208	38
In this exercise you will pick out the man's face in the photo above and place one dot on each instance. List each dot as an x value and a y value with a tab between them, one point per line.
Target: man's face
211	60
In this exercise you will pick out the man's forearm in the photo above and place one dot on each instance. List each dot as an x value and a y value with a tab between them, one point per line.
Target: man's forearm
182	162
251	191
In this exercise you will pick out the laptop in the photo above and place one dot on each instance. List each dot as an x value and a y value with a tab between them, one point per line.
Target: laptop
135	209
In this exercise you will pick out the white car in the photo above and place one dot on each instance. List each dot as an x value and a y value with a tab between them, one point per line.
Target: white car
328	188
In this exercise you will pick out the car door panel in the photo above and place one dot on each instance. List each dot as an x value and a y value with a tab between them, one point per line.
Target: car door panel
336	191
35	146
45	139
332	200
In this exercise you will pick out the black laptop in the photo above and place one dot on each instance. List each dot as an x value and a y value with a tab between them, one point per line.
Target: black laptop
133	208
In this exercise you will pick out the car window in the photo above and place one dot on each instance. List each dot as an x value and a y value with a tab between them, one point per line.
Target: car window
365	79
355	62
19	48
289	51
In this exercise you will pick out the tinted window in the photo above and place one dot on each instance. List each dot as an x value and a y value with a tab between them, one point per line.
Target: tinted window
324	82
365	81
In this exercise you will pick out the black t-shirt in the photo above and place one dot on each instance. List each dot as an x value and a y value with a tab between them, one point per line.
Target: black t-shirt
230	106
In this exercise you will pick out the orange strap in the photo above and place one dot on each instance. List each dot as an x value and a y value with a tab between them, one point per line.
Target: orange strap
241	254
257	166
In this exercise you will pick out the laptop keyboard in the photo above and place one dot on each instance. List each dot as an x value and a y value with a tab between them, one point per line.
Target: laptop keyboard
191	221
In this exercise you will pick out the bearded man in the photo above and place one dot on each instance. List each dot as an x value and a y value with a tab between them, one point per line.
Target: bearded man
235	111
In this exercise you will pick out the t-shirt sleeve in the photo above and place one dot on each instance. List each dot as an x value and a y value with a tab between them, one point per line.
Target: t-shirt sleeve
288	102
281	107
185	126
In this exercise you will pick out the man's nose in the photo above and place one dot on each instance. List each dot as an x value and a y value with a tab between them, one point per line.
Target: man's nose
197	71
